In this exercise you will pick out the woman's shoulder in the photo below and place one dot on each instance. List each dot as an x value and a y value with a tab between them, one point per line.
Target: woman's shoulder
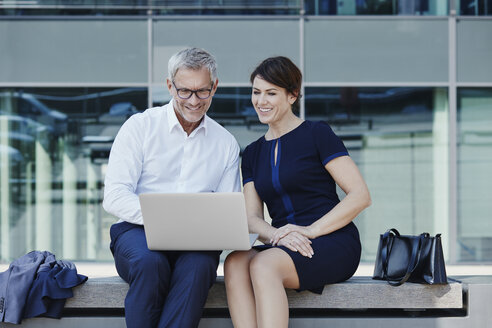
318	125
257	142
320	129
252	147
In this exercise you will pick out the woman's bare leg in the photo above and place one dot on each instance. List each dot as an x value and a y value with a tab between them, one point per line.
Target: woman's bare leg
240	296
271	272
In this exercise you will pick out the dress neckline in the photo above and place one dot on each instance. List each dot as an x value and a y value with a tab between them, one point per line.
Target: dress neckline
285	134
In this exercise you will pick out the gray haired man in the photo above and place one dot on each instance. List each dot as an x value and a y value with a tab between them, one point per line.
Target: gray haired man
173	148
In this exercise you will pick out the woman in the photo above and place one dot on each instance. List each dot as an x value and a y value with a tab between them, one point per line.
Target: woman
293	169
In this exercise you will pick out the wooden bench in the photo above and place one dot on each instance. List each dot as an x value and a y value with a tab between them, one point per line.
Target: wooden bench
356	293
360	302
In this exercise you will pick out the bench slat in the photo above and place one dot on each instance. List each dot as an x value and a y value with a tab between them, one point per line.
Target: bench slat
356	293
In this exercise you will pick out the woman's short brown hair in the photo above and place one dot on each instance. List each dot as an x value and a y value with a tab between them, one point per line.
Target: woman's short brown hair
282	72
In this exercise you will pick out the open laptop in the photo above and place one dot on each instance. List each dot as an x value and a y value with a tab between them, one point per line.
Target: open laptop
196	221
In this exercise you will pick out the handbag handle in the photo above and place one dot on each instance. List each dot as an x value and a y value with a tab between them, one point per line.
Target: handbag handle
414	258
385	249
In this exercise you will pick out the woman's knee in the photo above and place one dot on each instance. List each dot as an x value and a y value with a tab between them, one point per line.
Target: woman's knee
263	267
236	266
271	266
236	260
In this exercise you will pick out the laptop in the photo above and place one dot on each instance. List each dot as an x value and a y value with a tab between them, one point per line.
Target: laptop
196	221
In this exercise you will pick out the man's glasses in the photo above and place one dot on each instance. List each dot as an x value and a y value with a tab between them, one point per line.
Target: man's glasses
187	93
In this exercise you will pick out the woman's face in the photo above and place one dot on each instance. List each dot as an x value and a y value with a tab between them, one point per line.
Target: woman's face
270	101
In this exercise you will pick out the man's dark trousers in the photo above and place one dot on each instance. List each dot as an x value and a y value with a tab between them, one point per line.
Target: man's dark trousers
167	289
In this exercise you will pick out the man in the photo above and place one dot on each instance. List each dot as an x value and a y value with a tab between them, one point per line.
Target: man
173	148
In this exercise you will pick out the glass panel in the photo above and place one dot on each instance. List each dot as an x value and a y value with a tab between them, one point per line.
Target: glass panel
474	7
399	139
54	144
241	7
159	7
238	44
474	174
376	7
376	50
233	109
73	51
474	50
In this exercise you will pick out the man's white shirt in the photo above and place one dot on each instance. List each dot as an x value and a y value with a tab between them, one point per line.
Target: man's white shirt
153	154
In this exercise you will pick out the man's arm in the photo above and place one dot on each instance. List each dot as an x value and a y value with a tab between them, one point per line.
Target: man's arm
123	172
230	179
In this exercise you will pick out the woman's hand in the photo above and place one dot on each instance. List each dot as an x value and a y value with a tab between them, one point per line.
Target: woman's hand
287	229
296	242
296	238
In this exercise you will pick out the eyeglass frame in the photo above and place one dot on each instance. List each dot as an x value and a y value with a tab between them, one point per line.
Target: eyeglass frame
193	92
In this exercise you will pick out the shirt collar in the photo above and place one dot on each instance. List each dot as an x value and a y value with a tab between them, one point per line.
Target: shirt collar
174	123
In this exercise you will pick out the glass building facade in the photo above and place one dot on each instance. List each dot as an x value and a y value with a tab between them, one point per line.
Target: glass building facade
407	85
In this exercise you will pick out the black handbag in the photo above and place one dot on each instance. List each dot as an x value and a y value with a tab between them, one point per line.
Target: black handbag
410	258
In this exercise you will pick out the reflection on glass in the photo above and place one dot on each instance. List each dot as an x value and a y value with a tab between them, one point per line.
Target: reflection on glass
474	174
246	7
158	7
398	138
54	144
376	7
232	108
474	7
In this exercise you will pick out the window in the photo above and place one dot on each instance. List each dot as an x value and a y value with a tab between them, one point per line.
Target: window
474	174
398	138
375	7
474	7
54	145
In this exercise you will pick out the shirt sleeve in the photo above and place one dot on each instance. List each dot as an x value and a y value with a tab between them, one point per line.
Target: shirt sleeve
123	172
246	166
230	179
329	145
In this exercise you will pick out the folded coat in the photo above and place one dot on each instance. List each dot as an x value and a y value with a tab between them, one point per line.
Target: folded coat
36	284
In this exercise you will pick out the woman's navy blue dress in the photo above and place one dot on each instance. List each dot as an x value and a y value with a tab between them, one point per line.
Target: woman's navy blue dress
297	189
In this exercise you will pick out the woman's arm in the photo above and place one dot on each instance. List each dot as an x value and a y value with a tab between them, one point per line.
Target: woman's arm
257	224
347	176
254	213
